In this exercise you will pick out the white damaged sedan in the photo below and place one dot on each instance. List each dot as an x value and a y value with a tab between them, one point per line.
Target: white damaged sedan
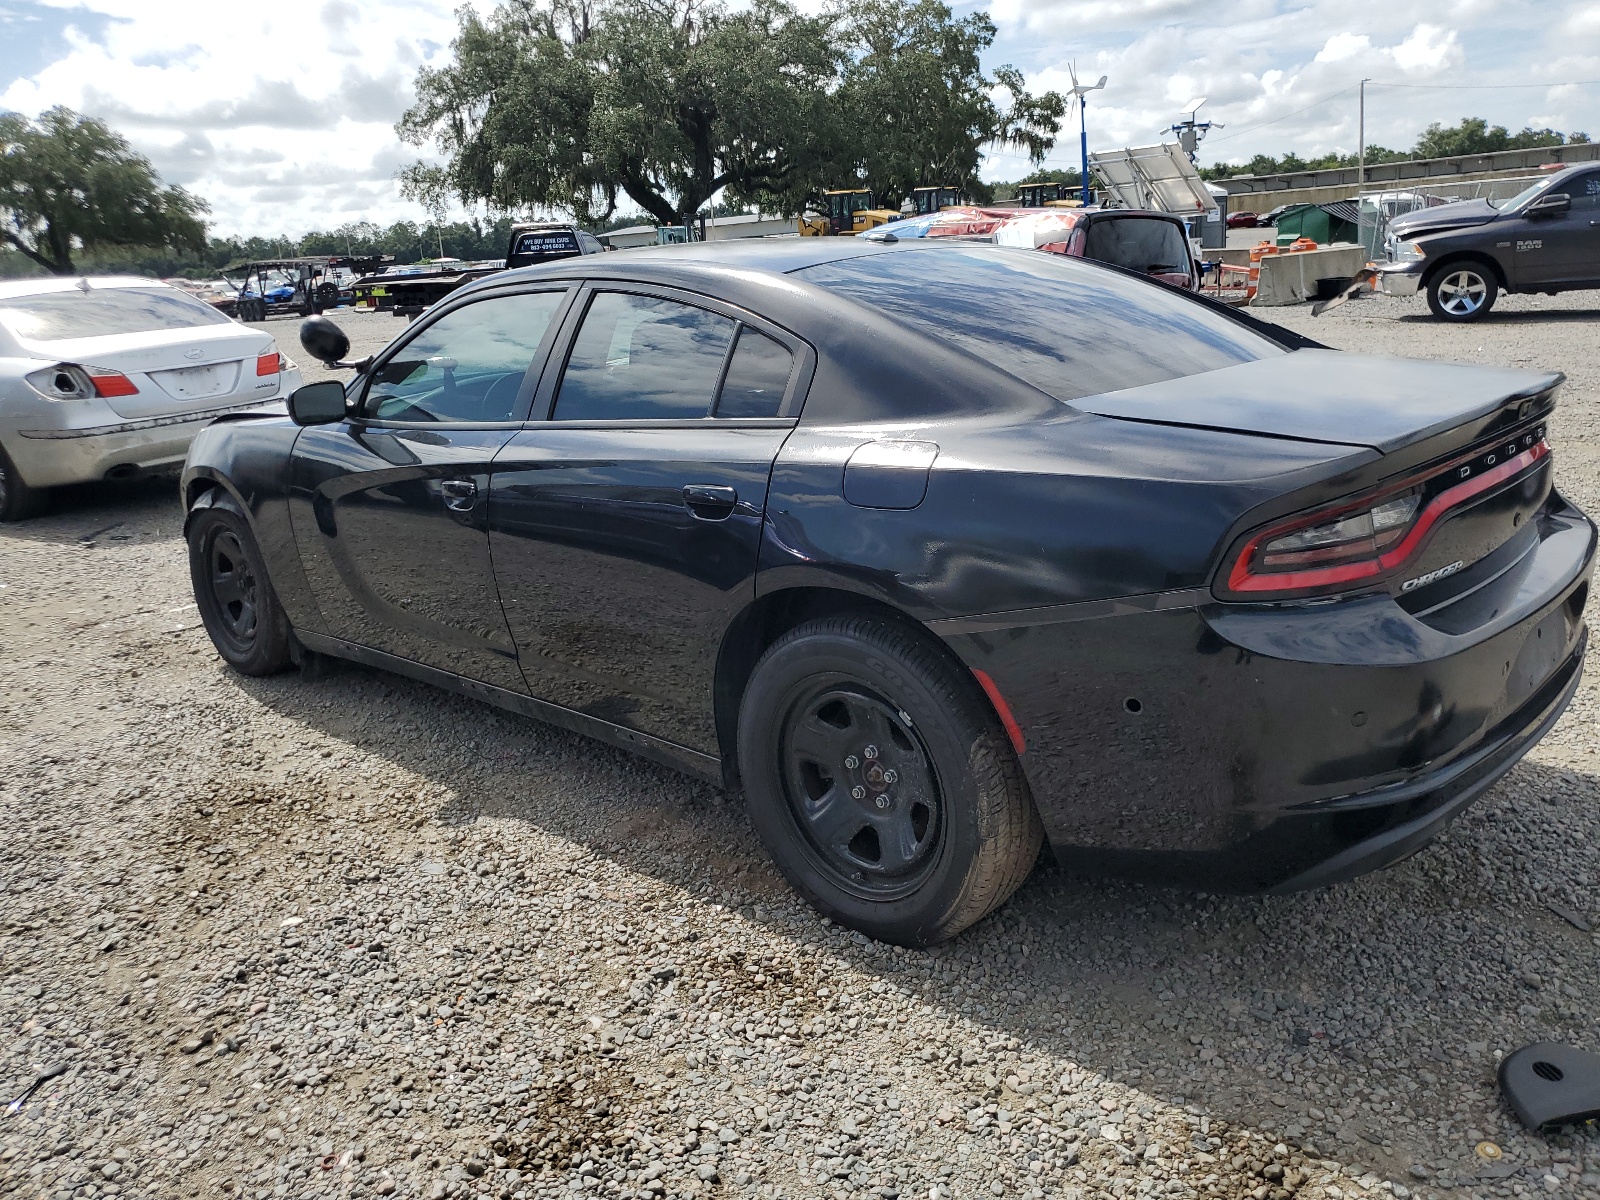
111	377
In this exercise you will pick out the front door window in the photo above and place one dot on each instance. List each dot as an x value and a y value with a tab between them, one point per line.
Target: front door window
466	367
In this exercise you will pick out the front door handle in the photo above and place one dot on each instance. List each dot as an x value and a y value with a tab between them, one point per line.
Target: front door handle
710	502
459	494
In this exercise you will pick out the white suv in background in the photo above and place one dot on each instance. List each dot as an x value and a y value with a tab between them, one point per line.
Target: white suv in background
107	378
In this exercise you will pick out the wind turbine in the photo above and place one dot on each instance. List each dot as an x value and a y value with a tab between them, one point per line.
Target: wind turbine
1081	91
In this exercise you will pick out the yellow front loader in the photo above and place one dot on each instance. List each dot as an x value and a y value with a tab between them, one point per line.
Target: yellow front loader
849	213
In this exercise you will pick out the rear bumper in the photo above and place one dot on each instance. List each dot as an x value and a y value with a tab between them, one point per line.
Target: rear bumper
1415	813
1400	279
51	457
1274	748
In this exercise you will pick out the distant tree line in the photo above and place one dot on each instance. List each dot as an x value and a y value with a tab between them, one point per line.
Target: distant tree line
407	241
1007	189
1473	135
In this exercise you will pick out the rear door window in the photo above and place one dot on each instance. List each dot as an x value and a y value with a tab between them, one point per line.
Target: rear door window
757	378
640	357
1138	244
1068	327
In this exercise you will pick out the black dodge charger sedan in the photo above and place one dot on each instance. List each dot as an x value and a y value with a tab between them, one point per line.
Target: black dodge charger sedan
935	551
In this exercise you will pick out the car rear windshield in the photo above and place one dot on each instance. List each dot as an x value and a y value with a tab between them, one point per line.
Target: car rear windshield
1068	327
1144	244
59	316
541	245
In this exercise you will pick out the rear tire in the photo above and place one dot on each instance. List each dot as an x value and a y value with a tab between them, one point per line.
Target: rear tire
881	782
1462	292
18	501
233	592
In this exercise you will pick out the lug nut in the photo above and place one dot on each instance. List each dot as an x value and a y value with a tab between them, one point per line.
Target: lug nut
883	802
852	762
870	753
891	775
859	792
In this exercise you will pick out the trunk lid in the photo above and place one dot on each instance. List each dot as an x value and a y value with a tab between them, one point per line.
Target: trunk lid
1388	404
175	370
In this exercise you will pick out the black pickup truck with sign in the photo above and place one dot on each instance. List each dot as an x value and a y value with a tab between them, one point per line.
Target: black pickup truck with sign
1463	255
409	291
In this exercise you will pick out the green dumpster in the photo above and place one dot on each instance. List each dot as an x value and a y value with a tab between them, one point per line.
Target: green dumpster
1338	221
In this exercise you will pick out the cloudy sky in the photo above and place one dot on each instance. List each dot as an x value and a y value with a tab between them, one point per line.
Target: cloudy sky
281	112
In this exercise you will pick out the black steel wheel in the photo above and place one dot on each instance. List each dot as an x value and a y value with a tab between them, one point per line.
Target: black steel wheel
231	588
863	790
878	777
18	501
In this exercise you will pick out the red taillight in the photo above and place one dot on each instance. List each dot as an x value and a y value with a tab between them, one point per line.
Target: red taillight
110	383
1362	540
267	364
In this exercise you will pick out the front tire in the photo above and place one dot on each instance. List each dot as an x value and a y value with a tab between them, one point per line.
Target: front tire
1462	292
237	604
18	501
880	781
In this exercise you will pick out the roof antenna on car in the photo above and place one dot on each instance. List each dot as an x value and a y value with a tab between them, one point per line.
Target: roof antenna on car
1549	1085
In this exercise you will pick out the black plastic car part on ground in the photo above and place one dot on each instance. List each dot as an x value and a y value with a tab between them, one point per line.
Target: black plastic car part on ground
936	550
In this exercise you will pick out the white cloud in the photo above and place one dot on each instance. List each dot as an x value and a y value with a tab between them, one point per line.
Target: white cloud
1429	48
1342	46
1282	75
281	114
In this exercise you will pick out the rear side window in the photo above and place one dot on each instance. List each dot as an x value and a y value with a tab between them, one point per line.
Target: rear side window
643	357
1138	243
758	377
1068	327
58	316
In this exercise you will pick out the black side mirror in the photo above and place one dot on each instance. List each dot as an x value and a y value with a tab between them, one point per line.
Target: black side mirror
1552	205
324	340
317	403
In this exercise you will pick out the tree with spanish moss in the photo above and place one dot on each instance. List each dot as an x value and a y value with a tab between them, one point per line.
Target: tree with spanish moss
580	104
70	185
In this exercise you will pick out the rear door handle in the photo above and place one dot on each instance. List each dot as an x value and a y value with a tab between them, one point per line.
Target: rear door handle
710	502
459	494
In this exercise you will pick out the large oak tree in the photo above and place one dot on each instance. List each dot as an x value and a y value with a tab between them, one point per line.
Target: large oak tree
575	104
70	184
921	108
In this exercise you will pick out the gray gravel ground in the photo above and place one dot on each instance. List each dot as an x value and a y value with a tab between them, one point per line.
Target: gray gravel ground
344	935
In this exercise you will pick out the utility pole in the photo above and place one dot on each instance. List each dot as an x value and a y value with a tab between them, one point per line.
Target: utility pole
1081	91
1361	139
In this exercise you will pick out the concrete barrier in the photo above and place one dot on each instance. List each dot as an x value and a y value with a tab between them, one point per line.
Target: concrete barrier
1292	278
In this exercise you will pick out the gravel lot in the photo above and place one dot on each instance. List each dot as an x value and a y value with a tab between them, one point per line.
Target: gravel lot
343	935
